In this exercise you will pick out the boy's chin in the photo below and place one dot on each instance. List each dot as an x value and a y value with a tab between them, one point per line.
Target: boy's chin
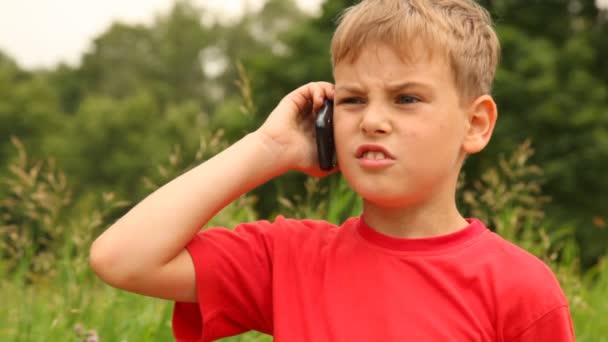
383	200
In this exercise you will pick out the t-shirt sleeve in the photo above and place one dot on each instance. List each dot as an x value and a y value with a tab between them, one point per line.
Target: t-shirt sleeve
535	307
555	326
233	280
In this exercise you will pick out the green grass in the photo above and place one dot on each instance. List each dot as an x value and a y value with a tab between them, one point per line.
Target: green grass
55	311
52	312
590	318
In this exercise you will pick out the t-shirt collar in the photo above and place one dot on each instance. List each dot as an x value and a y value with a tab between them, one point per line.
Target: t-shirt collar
436	243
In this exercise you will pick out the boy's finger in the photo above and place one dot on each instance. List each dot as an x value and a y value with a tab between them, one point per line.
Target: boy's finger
321	91
318	99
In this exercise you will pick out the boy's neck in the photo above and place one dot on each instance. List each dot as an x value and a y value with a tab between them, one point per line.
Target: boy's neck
413	222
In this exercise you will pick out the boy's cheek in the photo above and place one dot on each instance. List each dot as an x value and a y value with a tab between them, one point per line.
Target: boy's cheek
341	132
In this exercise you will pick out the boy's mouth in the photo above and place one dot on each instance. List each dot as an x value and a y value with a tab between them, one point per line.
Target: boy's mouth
373	152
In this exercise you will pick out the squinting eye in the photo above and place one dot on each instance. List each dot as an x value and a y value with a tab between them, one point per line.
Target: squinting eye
352	100
405	99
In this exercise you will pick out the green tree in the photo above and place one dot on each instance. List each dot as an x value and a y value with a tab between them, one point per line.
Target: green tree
109	144
552	87
28	110
164	58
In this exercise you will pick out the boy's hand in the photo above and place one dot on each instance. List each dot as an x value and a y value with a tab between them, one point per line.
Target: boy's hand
290	129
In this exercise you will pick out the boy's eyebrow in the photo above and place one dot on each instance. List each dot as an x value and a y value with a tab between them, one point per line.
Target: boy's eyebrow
400	85
352	88
395	86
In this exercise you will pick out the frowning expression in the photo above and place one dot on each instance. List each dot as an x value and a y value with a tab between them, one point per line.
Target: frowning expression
399	127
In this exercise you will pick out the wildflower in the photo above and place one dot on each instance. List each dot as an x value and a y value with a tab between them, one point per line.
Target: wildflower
92	336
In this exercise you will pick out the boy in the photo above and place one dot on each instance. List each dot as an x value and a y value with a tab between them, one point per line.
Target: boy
412	85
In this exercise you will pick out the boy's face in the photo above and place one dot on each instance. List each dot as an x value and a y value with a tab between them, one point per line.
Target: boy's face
399	127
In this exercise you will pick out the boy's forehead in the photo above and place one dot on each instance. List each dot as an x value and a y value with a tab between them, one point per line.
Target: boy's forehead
390	64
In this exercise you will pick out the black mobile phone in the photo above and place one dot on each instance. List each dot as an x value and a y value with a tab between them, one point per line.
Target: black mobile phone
324	127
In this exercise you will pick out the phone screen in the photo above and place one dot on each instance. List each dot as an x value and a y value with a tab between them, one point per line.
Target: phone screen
325	136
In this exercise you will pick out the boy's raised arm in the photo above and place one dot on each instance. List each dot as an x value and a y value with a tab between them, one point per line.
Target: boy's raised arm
144	252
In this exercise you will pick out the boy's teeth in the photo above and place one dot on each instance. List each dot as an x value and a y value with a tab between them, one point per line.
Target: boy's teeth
375	155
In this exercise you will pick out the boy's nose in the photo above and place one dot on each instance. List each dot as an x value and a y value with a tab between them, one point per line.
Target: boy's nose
373	122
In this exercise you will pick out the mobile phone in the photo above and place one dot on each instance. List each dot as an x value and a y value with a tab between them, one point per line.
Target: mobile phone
324	127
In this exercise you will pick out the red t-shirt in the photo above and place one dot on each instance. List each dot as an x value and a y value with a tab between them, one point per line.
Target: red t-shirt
307	280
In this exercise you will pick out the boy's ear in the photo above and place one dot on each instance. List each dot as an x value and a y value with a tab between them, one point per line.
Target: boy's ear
481	119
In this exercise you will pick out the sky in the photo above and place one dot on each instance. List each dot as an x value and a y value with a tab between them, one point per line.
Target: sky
42	33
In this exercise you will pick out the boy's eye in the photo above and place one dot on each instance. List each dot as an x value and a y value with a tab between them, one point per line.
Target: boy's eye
406	99
352	100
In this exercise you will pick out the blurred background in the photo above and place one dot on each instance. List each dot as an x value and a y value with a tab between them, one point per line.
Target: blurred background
102	102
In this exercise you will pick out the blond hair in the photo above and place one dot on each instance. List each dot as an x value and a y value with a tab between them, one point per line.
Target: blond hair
459	30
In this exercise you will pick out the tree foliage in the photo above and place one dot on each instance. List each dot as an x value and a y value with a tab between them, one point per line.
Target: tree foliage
143	89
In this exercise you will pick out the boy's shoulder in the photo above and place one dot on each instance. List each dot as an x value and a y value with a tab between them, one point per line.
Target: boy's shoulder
308	229
285	230
518	262
300	225
526	288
